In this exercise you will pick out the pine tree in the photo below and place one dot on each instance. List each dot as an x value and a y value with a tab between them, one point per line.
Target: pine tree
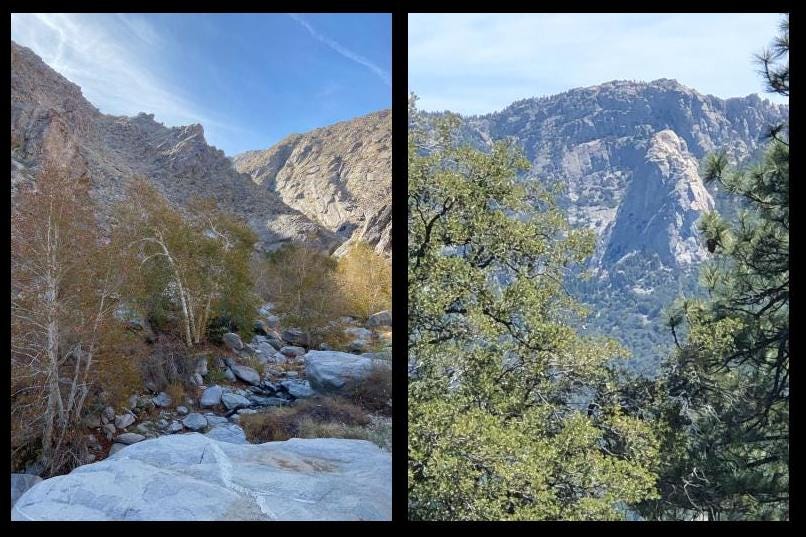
512	414
724	398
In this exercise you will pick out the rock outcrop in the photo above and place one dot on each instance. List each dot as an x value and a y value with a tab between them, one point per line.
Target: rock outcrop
194	477
339	176
51	121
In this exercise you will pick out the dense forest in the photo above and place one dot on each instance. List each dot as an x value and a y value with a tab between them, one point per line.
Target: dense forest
518	411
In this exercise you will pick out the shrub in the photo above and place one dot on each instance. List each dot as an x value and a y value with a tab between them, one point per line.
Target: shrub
374	393
309	418
365	280
168	363
301	282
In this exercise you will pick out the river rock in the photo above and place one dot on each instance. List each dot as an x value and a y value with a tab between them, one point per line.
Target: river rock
129	438
211	396
246	374
195	477
115	448
182	410
296	336
175	427
195	422
124	420
233	400
292	351
162	400
233	341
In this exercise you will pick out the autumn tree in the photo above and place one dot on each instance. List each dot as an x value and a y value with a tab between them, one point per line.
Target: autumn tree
512	413
302	284
64	283
365	279
197	261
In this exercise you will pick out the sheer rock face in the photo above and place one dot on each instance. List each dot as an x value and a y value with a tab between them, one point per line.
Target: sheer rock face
613	143
339	176
52	121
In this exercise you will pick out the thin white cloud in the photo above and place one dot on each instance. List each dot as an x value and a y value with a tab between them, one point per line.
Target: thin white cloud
118	74
344	51
483	62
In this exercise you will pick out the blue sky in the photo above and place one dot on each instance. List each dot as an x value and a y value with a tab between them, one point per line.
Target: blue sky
480	63
249	79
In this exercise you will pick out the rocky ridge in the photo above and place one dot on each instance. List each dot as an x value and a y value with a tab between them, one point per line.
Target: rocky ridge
339	176
51	121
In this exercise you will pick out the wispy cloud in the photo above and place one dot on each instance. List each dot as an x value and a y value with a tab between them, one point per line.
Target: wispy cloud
344	51
115	59
478	63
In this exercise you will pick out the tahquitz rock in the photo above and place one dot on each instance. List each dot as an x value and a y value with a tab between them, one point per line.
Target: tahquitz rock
233	400
20	483
124	420
129	438
194	477
211	396
162	400
233	341
382	318
246	374
331	370
195	422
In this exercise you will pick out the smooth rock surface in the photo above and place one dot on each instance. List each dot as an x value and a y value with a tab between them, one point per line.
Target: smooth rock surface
246	374
233	401
21	483
194	477
211	396
129	438
331	370
195	422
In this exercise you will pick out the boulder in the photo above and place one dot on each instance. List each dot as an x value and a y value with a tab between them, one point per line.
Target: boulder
129	438
132	402
330	370
182	410
298	389
382	318
196	379
229	375
233	400
175	427
21	483
246	374
213	420
272	321
195	422
244	411
292	351
110	430
196	477
261	327
296	336
233	341
115	448
227	432
358	332
266	309
201	366
109	414
235	418
124	420
162	400
211	396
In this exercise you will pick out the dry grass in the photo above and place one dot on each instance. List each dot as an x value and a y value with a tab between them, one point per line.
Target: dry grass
319	417
176	391
374	393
